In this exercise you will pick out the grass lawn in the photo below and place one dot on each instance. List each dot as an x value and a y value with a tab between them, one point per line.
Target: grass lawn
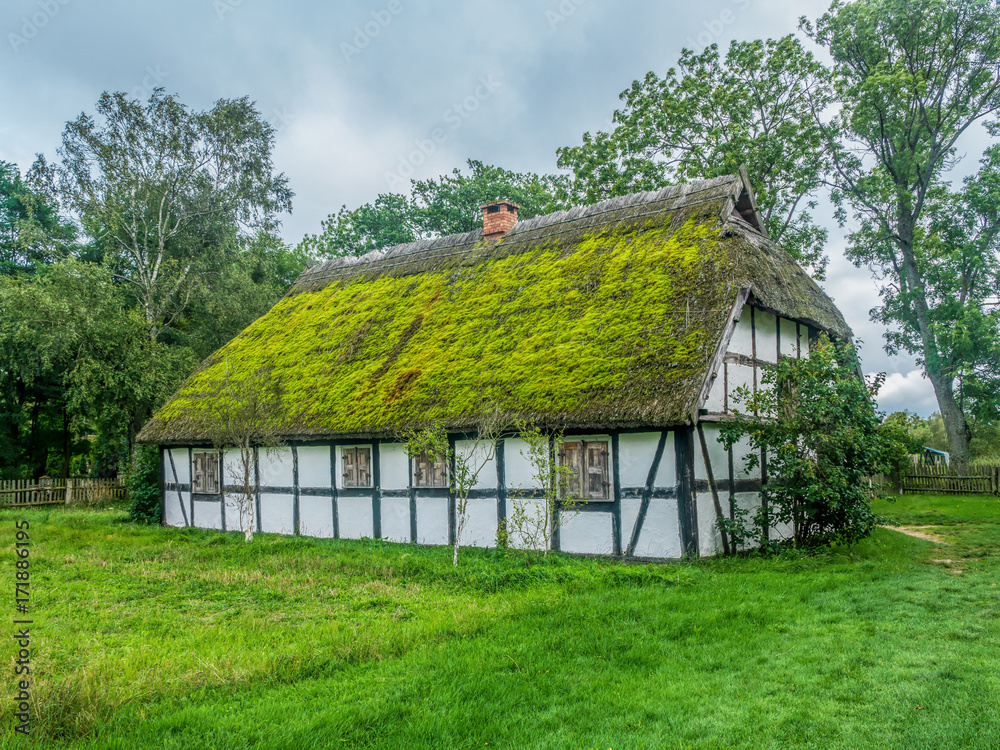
169	638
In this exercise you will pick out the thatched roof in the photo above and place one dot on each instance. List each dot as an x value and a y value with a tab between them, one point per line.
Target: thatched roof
602	316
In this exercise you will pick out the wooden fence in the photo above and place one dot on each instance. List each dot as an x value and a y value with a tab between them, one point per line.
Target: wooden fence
45	491
966	480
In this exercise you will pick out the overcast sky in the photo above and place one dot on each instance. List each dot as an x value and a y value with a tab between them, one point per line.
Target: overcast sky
357	90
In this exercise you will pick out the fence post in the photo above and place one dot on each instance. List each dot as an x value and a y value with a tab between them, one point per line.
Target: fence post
69	490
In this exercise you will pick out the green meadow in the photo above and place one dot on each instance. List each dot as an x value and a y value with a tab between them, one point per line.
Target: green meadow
147	637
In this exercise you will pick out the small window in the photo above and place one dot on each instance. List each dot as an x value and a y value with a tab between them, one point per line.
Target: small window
588	464
357	467
206	473
429	471
493	209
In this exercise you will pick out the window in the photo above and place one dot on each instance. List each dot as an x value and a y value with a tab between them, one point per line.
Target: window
357	467
588	464
429	471
205	472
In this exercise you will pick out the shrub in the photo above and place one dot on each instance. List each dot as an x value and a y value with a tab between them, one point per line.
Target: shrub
142	484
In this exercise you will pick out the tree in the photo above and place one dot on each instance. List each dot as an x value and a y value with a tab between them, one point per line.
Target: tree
708	117
163	188
912	76
465	466
246	417
446	205
815	420
535	513
32	233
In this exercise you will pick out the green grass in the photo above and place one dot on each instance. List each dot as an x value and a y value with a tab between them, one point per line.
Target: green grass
168	638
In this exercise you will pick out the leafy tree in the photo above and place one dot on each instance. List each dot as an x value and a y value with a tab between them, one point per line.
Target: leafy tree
816	422
710	116
32	233
246	418
446	205
912	76
164	188
142	485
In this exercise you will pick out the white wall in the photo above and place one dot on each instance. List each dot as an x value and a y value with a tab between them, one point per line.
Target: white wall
276	467
315	514
355	517
394	467
314	466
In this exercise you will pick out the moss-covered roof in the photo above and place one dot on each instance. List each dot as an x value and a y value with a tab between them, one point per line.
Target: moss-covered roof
603	316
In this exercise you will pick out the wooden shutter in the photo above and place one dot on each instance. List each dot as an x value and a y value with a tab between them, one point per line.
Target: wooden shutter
440	472
571	455
205	467
364	463
597	471
350	460
430	471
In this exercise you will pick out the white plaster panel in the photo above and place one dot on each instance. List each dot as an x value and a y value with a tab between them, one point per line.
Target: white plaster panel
518	470
781	532
432	520
767	336
314	465
709	536
716	401
661	531
315	516
481	525
738	376
741	449
717	454
636	452
482	458
396	519
750	502
276	467
277	514
181	464
630	512
587	532
789	338
208	515
666	476
232	470
742	340
394	469
531	534
233	521
172	510
354	517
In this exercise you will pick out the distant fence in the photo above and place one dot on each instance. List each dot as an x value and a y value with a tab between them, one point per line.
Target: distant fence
961	480
45	491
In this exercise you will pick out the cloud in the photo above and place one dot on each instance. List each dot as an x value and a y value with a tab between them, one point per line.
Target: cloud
909	391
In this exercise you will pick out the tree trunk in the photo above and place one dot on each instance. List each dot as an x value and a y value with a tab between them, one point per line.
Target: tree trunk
955	424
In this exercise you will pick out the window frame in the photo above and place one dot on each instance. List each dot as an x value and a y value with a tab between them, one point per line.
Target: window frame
215	473
342	466
415	472
584	470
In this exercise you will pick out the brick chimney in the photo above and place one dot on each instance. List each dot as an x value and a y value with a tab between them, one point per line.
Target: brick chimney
499	217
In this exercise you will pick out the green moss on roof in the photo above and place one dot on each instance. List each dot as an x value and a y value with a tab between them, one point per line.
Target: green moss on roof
611	324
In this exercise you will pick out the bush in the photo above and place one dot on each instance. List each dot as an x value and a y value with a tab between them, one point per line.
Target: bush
142	484
816	421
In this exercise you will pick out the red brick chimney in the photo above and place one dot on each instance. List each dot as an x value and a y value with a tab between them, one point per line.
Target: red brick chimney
499	217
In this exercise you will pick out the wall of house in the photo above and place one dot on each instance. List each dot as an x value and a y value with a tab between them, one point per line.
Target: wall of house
299	489
759	338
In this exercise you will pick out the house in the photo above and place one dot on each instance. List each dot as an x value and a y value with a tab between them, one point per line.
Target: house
626	325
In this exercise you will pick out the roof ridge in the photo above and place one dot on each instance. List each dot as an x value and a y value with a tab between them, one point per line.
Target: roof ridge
589	210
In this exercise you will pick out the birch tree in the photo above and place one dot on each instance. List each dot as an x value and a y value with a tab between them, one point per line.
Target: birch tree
161	188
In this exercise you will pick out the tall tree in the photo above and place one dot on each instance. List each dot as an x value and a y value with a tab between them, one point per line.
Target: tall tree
912	76
163	187
32	232
708	117
445	205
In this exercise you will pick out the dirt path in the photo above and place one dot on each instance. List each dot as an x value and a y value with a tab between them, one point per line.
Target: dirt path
918	532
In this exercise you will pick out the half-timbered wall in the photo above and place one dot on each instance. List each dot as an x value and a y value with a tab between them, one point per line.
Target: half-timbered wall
301	490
